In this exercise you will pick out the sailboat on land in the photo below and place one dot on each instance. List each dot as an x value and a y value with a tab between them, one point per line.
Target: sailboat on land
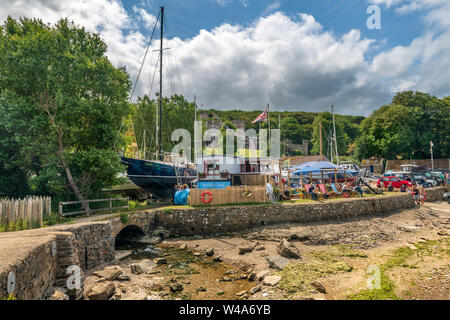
159	176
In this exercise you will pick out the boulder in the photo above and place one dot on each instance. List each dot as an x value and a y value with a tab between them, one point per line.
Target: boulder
241	293
252	276
109	274
255	290
182	246
103	291
59	295
288	250
123	278
209	252
161	233
277	262
89	283
176	287
244	249
142	267
262	274
319	287
218	259
151	240
271	281
260	248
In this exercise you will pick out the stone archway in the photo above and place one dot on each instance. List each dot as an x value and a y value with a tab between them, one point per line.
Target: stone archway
130	233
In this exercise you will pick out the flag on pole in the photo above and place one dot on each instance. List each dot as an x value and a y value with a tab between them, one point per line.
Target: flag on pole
262	117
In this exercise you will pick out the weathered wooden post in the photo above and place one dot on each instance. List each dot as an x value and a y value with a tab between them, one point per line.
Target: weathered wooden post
60	207
110	206
335	176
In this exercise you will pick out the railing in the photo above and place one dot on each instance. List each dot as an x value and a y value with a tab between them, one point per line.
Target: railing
88	210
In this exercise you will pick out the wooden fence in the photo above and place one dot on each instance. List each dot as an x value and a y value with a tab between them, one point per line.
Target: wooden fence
89	211
30	210
230	195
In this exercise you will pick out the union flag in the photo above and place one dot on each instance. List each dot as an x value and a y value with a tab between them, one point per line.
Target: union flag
262	117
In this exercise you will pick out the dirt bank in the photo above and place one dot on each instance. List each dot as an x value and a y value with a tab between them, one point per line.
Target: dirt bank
411	250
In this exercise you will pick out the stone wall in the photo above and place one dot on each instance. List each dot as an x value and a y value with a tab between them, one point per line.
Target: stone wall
435	194
231	219
35	273
94	243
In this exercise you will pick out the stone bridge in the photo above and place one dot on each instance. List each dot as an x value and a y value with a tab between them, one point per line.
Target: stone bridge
30	254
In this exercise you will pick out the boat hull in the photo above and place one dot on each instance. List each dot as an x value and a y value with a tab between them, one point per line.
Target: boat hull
156	177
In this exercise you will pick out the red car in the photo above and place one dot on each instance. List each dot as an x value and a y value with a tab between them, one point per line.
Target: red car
396	182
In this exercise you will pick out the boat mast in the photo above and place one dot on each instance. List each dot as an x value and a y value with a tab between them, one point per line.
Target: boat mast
334	134
159	135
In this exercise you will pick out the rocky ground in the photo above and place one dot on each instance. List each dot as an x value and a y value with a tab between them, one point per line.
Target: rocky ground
327	260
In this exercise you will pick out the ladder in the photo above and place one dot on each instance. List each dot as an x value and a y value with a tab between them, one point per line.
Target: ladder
177	173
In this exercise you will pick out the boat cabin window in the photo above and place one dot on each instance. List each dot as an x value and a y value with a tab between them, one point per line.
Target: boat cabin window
212	169
250	168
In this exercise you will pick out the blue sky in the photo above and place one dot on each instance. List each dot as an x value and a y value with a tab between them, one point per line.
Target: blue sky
187	18
297	55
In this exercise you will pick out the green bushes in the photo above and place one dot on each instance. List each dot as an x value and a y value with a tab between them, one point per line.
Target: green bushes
19	225
124	217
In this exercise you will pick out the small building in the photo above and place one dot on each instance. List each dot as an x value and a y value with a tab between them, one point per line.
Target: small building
373	165
290	147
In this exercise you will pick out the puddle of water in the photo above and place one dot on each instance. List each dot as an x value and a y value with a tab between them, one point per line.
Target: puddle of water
193	272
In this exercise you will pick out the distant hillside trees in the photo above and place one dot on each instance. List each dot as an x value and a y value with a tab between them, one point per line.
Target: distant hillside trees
61	105
404	128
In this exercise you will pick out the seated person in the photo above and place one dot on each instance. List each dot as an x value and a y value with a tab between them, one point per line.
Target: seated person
403	188
346	188
312	193
390	187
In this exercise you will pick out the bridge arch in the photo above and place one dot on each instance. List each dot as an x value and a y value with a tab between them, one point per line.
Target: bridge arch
129	233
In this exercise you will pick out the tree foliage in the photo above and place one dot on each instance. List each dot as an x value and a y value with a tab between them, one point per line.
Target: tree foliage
61	105
404	129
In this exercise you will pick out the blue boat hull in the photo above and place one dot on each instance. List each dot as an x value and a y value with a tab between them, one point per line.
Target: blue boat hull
156	177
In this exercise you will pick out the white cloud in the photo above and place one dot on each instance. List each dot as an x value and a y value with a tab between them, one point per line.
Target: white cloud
289	62
271	8
224	3
424	64
387	3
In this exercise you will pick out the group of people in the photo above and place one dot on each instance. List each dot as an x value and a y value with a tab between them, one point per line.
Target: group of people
347	188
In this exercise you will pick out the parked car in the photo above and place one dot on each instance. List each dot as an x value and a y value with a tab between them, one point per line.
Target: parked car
396	182
422	179
433	176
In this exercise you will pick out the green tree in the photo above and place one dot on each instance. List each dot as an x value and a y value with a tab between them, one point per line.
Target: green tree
405	128
59	80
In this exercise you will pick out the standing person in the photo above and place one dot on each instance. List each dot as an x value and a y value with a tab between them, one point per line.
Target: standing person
416	196
269	192
447	176
359	190
422	195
